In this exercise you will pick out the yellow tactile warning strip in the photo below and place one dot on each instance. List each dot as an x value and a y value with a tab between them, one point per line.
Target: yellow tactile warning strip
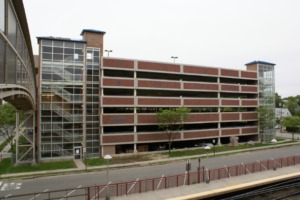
234	188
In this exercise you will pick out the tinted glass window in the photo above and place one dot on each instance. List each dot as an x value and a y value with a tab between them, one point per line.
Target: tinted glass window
12	27
20	41
69	51
47	56
57	50
11	67
2	15
47	49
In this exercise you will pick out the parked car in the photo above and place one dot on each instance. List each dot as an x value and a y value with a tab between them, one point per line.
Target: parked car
205	144
278	126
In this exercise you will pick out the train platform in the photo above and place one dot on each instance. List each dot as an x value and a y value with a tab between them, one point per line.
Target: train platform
219	187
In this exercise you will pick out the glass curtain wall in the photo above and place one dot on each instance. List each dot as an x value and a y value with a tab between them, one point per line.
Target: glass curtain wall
15	68
61	124
2	15
92	101
267	100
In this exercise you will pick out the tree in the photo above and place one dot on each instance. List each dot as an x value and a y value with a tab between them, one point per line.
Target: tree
171	122
291	123
266	117
278	100
292	104
7	122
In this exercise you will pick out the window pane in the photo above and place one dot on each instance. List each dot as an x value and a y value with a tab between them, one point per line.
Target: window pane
47	49
20	41
57	50
19	72
12	26
2	15
2	47
47	56
11	67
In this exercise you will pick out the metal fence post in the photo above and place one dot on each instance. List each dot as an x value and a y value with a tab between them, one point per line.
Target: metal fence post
153	184
87	190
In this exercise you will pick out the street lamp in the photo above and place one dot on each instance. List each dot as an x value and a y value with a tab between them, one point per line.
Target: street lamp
206	171
199	169
188	169
108	51
174	58
107	158
207	148
281	104
214	147
274	141
84	151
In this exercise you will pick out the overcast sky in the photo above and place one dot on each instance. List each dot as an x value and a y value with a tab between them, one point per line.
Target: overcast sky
217	33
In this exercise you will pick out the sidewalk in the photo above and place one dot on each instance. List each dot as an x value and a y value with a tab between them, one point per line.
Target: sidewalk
5	152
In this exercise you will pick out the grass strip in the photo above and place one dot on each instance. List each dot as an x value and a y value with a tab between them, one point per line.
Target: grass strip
6	166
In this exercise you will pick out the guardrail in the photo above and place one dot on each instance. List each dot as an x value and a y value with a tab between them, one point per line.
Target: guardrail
144	185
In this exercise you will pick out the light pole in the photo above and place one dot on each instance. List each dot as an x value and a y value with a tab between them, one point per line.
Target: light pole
274	141
174	58
206	171
281	104
188	169
84	151
108	51
199	169
107	158
214	147
207	148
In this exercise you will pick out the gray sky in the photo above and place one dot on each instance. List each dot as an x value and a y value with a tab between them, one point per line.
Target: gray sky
217	33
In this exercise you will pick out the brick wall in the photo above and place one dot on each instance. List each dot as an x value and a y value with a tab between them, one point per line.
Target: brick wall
158	66
159	84
230	131
200	70
117	119
200	134
227	72
117	138
201	86
117	101
250	130
201	102
230	116
158	101
118	63
205	117
118	82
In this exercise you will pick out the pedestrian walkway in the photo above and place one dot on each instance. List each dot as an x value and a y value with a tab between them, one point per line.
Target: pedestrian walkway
223	186
79	164
5	152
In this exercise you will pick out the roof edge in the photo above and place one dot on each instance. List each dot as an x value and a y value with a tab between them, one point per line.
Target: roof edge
59	39
92	31
260	62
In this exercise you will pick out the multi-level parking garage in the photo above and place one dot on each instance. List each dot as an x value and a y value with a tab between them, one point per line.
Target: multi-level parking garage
223	103
96	105
17	74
